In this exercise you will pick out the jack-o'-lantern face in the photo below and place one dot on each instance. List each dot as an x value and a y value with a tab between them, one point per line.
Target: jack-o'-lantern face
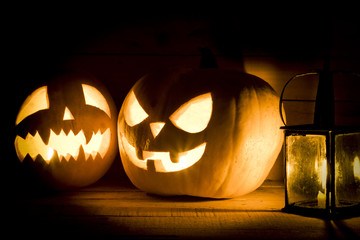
67	124
207	132
189	119
56	141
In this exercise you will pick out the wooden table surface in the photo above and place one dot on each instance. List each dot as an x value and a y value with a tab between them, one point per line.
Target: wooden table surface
114	208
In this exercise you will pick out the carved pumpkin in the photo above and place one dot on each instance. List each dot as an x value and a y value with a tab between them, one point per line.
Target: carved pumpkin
206	132
66	131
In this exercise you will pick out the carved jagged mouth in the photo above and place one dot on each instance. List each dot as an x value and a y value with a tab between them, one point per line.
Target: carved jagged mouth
63	145
161	160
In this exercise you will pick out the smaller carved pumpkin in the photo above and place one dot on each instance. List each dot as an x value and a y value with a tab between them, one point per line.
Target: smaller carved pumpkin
66	131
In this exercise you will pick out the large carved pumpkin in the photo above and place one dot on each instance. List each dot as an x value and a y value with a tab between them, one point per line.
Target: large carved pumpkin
206	132
66	131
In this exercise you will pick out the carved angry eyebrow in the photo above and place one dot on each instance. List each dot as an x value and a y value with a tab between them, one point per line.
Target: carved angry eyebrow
94	98
36	101
39	100
133	112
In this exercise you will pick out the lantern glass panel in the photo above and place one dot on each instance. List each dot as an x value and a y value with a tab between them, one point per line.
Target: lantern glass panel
347	169
306	169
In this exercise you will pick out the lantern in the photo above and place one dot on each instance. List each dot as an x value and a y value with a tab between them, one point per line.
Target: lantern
66	131
322	160
199	132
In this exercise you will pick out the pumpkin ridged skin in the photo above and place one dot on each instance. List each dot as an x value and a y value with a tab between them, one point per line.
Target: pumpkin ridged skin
243	136
65	90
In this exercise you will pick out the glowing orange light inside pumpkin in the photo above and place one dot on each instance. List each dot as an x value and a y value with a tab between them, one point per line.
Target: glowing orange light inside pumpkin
50	153
65	145
37	101
194	115
162	160
68	115
156	127
134	113
94	98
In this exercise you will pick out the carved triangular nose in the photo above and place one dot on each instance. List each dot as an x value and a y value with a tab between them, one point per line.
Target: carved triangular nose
68	115
156	127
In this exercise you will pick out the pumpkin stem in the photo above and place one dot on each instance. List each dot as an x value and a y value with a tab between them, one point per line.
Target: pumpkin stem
208	59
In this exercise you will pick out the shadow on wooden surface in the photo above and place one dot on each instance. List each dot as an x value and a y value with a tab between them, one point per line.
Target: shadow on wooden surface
114	208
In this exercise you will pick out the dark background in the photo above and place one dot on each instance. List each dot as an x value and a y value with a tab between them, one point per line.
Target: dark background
118	44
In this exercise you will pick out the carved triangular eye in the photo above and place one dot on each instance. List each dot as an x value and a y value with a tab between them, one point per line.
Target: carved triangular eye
68	115
194	115
133	112
36	101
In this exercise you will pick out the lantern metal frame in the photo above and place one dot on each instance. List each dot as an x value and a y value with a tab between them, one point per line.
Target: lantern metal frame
323	126
332	208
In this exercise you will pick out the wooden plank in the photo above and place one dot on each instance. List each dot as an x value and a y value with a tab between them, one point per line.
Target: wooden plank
127	201
112	208
247	225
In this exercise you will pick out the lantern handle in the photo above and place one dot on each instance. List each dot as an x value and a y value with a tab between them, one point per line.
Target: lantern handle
283	90
357	74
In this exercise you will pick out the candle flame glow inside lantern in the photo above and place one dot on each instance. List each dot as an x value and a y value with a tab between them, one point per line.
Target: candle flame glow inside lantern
322	165
322	193
357	167
323	174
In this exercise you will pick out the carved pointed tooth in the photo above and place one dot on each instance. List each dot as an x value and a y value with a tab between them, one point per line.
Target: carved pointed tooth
67	157
98	157
76	130
88	135
93	154
174	156
102	130
150	165
81	154
64	157
21	158
45	135
54	157
60	157
90	157
67	129
50	157
32	132
56	130
71	159
22	132
139	153
70	133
